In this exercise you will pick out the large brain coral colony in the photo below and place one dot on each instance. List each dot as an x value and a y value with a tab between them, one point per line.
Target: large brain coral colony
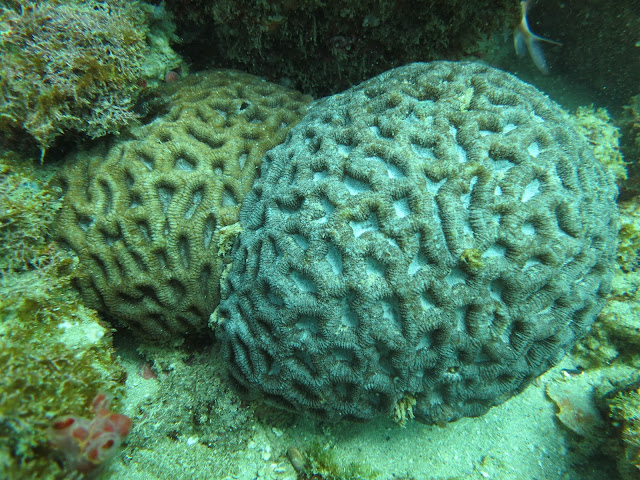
434	239
149	219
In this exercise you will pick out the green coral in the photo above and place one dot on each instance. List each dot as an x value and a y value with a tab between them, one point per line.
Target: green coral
74	65
55	353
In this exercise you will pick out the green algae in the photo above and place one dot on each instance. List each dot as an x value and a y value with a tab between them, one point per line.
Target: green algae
56	354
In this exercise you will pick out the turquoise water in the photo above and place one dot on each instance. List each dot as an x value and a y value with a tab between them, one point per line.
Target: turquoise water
96	81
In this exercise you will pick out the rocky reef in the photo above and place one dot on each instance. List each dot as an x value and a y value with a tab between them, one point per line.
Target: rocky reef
323	47
77	66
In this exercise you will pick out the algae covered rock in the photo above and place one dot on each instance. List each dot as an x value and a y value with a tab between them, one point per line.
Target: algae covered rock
56	354
439	233
150	219
624	411
604	138
615	336
77	65
324	47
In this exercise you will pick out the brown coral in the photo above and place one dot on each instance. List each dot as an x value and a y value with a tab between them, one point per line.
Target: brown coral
146	218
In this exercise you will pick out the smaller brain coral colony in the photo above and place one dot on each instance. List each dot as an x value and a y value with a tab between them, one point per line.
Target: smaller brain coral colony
427	242
152	218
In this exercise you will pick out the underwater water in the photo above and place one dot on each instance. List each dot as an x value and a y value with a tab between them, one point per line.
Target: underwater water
222	258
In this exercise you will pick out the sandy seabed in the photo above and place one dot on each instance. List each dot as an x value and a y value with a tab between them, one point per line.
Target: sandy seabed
521	439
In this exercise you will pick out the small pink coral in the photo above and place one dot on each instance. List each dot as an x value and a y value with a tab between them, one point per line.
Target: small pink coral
88	444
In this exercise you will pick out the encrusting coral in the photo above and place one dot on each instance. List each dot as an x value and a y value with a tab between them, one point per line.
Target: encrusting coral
152	217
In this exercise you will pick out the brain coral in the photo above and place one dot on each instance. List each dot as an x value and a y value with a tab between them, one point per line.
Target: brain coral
428	242
151	218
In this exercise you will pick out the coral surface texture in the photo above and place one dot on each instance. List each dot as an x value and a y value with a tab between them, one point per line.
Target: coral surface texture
427	242
151	219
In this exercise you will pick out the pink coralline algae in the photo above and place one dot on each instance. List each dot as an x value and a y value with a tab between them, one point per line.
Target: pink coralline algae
88	444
